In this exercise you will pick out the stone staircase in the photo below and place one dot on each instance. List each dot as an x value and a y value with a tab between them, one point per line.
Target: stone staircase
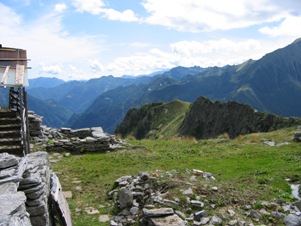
10	133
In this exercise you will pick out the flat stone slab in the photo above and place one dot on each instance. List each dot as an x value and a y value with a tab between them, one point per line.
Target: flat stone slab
8	188
158	212
11	203
168	221
104	218
7	160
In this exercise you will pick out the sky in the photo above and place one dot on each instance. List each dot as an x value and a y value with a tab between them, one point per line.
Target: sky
84	39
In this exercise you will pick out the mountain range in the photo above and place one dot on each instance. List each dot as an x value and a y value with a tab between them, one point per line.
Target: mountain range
271	84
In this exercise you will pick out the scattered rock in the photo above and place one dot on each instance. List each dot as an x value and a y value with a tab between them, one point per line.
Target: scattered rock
215	220
68	194
292	220
91	210
188	192
104	218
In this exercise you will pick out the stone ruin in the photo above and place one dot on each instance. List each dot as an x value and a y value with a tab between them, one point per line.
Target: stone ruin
75	141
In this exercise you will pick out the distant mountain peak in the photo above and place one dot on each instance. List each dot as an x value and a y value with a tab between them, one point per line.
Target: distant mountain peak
298	40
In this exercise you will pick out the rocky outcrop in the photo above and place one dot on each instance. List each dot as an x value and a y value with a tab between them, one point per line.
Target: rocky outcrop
209	120
25	190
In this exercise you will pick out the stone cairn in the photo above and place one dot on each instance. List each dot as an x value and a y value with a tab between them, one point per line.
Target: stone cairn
140	200
25	190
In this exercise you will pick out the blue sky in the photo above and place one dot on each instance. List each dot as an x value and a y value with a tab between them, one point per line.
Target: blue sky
83	39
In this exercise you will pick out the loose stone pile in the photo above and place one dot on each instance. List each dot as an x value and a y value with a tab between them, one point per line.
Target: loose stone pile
143	199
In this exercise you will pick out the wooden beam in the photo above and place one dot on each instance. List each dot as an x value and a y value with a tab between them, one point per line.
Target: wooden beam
14	59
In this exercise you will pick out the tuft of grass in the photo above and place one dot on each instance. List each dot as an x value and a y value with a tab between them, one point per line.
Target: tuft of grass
247	171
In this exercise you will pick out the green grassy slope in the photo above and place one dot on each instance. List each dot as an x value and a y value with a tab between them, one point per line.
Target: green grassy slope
246	170
159	120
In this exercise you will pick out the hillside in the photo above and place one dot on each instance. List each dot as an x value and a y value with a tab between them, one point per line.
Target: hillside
157	120
54	114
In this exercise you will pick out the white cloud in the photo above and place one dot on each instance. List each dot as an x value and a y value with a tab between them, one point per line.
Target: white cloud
96	66
89	6
8	19
51	69
288	27
196	16
217	52
46	41
126	16
60	7
97	7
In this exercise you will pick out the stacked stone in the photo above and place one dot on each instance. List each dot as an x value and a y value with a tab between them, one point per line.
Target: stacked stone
35	123
12	203
297	136
35	185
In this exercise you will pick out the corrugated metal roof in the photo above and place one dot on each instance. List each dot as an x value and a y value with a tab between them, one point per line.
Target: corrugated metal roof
13	67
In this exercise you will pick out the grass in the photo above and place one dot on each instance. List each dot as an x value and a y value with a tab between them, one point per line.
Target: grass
245	169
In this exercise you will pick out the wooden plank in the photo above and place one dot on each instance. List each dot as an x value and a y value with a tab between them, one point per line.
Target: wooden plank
20	70
3	80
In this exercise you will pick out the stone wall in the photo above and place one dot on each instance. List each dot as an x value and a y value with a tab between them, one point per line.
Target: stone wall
25	190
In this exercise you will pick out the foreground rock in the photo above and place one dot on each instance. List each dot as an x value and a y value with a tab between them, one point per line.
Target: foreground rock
25	190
